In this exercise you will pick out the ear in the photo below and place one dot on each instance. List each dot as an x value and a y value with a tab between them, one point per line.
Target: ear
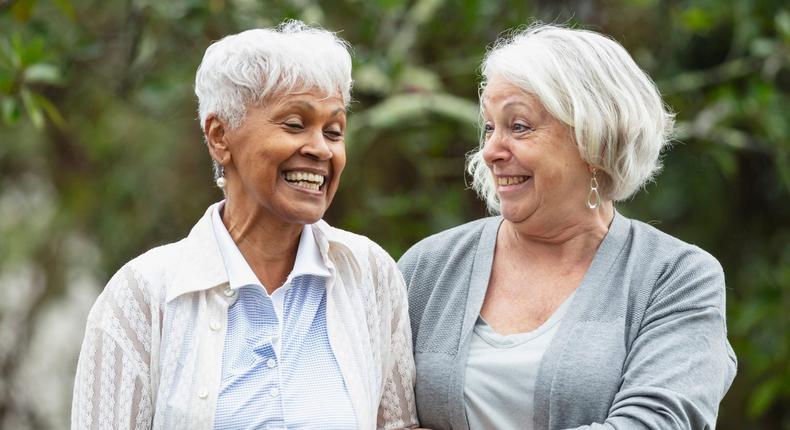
215	130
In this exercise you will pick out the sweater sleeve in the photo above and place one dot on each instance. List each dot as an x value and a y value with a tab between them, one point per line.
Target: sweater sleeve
397	408
112	386
680	365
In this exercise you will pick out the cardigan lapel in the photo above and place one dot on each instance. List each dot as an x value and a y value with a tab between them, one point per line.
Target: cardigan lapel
341	262
588	291
478	284
201	266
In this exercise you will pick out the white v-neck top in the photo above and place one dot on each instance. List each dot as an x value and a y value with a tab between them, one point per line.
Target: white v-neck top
499	384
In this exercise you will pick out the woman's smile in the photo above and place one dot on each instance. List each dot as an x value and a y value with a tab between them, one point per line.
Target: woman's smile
512	184
308	181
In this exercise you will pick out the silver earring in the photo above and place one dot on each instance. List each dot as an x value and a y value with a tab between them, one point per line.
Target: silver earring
593	197
221	177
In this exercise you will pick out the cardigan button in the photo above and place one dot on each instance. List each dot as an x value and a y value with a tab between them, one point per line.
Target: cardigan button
229	292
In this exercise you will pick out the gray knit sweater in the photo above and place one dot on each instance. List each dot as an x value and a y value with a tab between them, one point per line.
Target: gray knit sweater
643	345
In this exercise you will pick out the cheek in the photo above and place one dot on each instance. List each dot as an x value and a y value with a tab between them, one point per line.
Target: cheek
339	160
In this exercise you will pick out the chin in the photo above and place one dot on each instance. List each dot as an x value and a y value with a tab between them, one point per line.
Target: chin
514	213
307	216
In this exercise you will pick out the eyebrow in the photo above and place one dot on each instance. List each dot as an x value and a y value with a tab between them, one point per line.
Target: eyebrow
299	104
514	104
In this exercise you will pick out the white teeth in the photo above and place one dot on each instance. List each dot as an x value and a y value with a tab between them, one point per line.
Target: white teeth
309	185
511	180
307	177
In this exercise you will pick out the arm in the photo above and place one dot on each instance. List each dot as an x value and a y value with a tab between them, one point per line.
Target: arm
680	365
112	385
397	408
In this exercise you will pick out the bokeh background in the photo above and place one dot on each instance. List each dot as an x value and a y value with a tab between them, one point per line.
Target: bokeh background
101	156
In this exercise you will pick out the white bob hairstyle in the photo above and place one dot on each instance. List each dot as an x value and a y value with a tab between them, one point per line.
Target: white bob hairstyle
254	66
590	83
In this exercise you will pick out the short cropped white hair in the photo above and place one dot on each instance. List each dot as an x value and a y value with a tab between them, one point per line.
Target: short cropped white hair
588	82
249	67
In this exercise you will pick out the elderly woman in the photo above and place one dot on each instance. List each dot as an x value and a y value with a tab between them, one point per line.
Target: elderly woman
562	313
264	316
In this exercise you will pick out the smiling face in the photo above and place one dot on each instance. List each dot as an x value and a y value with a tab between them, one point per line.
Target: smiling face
537	170
284	162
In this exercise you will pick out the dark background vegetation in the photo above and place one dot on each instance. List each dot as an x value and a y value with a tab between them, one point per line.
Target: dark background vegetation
101	156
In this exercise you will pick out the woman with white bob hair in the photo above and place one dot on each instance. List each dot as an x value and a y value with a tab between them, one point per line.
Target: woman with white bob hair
560	312
263	316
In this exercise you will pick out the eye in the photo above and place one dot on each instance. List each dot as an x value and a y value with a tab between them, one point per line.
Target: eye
333	134
293	124
521	128
488	128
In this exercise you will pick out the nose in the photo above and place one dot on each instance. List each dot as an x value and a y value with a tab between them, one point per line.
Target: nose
316	147
495	149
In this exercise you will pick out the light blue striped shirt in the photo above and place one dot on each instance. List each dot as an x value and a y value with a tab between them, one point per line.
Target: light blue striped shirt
278	368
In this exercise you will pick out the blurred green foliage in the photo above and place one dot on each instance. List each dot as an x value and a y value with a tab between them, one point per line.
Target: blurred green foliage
99	138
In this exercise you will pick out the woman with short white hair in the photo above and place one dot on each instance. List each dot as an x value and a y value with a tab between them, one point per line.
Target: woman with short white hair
560	312
264	316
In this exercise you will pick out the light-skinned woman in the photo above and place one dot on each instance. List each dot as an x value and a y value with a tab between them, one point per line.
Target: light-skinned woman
559	312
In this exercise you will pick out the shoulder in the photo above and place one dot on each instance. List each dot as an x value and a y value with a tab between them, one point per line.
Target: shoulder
362	249
682	272
138	286
670	251
446	246
155	265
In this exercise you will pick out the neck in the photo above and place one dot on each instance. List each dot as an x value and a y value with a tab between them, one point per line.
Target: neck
268	244
571	241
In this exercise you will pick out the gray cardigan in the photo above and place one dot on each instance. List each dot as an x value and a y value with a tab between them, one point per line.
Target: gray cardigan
642	346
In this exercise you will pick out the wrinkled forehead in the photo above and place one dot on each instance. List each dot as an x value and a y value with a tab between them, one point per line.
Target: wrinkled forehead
308	102
306	94
500	93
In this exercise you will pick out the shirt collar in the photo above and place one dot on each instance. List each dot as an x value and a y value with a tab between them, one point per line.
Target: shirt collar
200	265
308	256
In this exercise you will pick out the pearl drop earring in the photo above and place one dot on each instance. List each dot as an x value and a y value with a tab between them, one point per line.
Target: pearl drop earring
221	178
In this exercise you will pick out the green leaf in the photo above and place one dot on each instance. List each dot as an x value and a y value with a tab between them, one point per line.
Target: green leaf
33	108
783	22
403	107
697	19
6	81
52	112
9	110
67	8
23	9
372	79
763	47
43	73
763	397
414	78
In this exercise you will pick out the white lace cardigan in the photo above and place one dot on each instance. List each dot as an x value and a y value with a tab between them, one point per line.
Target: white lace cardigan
152	353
